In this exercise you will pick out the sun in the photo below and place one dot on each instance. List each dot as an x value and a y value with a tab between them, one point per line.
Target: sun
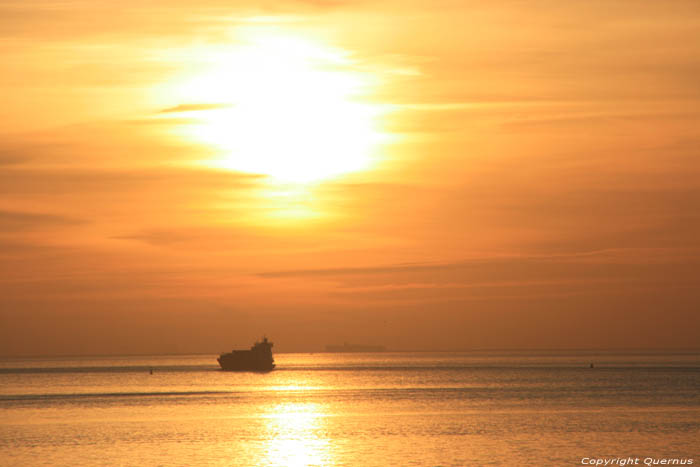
283	106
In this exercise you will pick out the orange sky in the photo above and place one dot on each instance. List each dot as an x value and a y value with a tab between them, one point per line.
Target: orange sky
186	176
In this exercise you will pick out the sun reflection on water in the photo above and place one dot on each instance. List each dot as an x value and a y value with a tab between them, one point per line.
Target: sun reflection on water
296	435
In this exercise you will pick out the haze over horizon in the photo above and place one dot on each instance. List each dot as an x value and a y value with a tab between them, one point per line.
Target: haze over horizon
180	178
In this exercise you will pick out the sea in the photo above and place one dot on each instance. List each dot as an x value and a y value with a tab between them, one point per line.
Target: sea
364	409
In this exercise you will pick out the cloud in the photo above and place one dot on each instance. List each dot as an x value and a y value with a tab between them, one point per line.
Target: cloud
31	251
602	118
160	237
478	264
506	279
25	149
16	221
8	158
194	107
95	181
388	269
588	266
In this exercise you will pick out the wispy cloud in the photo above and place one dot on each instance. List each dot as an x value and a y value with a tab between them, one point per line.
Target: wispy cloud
503	267
67	180
161	237
194	108
17	221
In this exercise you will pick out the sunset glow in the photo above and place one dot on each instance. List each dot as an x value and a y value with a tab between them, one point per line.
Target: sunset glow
470	175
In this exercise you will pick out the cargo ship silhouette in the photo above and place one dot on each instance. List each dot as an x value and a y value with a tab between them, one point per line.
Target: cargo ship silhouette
258	358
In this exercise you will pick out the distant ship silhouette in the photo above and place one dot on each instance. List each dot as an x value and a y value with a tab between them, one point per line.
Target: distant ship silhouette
347	347
258	358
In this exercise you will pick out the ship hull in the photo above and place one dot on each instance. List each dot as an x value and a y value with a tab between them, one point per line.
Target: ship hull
244	364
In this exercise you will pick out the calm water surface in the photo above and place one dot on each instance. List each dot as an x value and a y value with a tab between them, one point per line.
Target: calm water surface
386	409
